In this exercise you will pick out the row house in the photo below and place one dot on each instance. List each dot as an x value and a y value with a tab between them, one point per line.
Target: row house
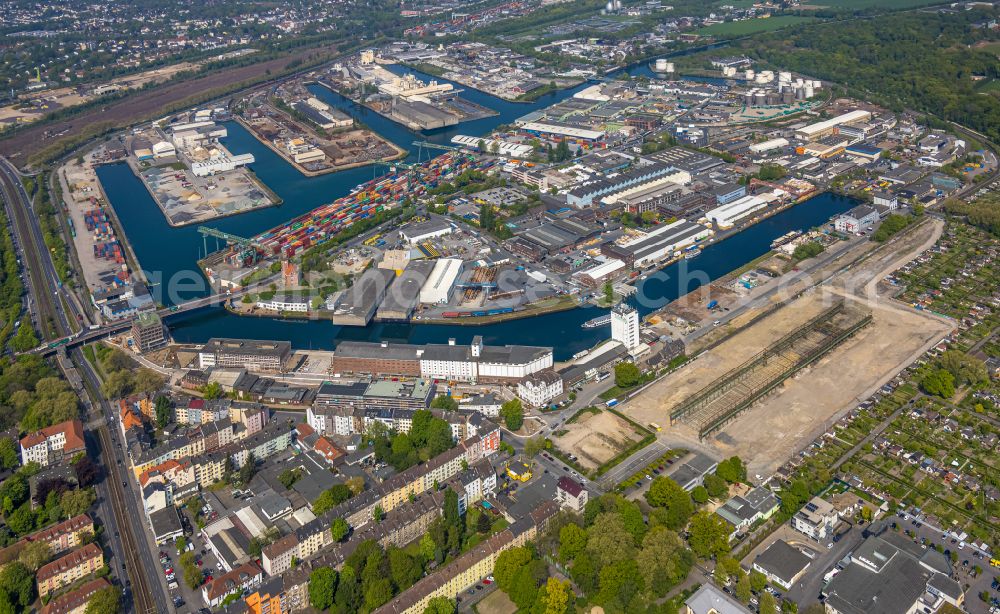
69	568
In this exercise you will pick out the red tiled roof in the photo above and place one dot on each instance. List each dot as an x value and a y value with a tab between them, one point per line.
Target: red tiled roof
305	430
72	525
69	561
196	404
71	601
72	428
227	583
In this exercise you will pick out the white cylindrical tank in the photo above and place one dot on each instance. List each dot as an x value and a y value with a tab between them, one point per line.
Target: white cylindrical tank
809	91
761	78
799	81
729	71
670	67
610	6
661	65
784	77
748	75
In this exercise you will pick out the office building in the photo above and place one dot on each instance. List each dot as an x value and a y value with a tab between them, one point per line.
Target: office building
266	356
625	326
148	331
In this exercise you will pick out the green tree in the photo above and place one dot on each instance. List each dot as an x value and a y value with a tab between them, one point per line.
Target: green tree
767	604
757	581
668	494
939	383
444	402
8	453
732	470
440	605
247	469
105	601
339	529
513	414
716	486
556	596
700	495
743	589
403	569
164	411
708	535
508	564
608	541
572	541
322	587
18	583
377	592
609	293
35	554
626	375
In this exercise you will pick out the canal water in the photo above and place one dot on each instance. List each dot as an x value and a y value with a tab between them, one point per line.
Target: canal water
168	255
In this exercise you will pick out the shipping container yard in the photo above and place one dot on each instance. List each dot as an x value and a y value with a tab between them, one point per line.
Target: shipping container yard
383	193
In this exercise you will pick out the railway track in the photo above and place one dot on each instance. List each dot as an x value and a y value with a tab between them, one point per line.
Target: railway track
141	592
18	206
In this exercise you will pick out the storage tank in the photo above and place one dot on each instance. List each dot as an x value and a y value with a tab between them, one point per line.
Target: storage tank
729	71
787	96
799	82
661	65
760	99
773	98
748	75
761	78
817	85
784	77
670	67
800	93
748	99
809	91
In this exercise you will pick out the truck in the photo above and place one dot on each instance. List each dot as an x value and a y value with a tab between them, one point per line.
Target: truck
612	403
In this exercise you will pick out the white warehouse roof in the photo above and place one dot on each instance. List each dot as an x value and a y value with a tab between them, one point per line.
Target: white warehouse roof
511	150
579	133
439	283
846	118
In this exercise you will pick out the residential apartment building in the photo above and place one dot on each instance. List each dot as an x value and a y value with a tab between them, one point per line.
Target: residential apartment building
53	443
394	493
571	494
269	598
472	566
75	602
244	577
742	512
69	568
817	519
540	388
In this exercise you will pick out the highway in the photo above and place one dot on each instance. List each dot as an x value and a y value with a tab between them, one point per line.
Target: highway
49	313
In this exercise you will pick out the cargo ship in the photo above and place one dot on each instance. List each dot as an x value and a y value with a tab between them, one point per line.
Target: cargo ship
597	322
367	200
477	314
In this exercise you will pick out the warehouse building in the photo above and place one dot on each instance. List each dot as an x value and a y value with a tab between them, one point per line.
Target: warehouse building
558	234
221	164
727	215
607	270
829	126
503	148
415	233
856	220
480	363
562	131
584	195
360	357
253	355
440	285
658	244
359	303
404	295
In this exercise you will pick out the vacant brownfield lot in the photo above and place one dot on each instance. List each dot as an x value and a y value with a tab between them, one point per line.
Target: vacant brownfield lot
143	105
597	438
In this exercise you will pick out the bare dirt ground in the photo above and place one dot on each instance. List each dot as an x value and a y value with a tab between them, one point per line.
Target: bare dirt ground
809	402
597	438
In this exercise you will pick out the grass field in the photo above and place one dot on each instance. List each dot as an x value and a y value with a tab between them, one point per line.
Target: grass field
752	26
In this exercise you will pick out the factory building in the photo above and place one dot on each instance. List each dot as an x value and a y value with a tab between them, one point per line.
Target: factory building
658	244
729	192
676	178
827	127
769	145
440	285
609	269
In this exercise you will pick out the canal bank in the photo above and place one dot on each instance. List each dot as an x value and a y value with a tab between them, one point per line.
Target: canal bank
561	330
